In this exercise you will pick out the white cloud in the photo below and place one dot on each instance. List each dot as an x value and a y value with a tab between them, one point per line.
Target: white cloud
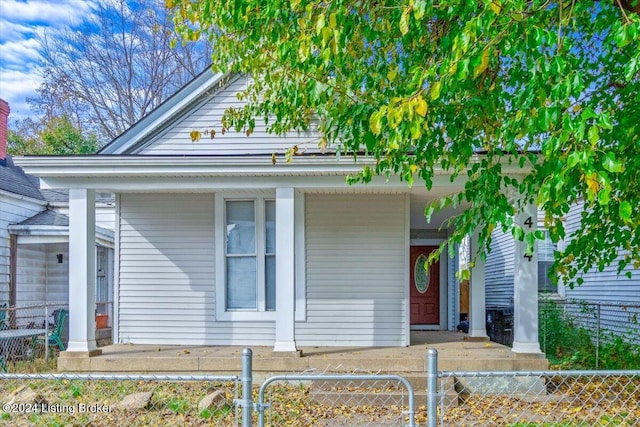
19	54
20	24
51	13
15	87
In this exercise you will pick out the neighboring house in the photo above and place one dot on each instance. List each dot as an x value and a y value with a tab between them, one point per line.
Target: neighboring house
34	234
605	287
218	245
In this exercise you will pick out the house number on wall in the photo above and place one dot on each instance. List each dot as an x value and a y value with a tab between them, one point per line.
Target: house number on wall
529	223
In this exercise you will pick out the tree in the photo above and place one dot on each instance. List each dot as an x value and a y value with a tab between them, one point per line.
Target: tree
57	135
115	68
549	87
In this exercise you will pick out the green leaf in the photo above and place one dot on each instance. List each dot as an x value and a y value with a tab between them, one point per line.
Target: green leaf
603	196
593	135
611	164
518	233
624	210
419	7
320	23
428	212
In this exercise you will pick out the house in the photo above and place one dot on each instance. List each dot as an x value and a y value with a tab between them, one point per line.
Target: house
34	254
607	288
217	244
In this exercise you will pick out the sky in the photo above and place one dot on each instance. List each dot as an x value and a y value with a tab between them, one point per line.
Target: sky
21	23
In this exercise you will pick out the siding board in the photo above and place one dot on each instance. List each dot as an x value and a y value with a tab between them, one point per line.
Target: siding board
177	140
167	274
355	248
12	211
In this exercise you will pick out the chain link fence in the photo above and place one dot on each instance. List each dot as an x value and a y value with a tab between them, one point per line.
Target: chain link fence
589	335
336	400
31	332
534	398
572	398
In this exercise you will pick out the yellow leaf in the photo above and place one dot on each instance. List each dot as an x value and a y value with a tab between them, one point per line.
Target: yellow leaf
169	3
484	63
375	122
413	168
421	107
273	158
404	21
495	6
333	22
435	90
195	135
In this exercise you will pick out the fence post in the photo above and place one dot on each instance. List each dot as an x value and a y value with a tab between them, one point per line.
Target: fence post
597	335
246	402
432	387
46	334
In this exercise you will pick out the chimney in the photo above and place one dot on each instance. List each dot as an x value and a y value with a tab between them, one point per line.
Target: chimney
4	117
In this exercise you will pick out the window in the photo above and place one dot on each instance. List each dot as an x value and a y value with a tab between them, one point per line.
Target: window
545	250
249	255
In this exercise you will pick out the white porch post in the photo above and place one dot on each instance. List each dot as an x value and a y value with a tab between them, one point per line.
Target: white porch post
82	271
525	298
285	271
477	305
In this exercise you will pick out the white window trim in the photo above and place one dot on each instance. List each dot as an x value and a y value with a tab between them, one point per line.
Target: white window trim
222	313
300	262
560	288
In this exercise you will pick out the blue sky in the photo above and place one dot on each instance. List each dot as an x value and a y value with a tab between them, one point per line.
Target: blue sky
21	22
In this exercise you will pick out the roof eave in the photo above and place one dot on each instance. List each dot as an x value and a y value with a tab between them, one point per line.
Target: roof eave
165	112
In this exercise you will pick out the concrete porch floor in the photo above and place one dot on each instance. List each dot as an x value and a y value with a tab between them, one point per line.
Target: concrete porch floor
455	354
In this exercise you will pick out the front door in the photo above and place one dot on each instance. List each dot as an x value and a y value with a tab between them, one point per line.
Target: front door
425	287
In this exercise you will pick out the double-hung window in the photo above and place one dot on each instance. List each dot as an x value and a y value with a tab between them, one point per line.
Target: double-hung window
249	264
545	249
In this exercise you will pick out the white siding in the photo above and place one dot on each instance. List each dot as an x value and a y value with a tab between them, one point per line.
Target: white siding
167	274
105	215
12	210
57	273
356	290
39	272
499	271
605	286
177	140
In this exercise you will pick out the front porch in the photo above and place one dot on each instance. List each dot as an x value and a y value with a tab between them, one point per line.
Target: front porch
455	354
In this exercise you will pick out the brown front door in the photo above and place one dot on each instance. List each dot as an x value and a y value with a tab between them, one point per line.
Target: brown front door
425	287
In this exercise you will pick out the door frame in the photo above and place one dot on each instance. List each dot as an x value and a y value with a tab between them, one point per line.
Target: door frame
443	291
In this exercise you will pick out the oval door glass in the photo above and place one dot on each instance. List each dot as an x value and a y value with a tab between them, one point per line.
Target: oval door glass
420	274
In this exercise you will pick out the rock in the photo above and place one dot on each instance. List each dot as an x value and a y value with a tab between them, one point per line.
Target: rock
25	395
136	400
213	401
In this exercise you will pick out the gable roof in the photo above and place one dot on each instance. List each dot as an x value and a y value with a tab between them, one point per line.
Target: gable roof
14	180
165	114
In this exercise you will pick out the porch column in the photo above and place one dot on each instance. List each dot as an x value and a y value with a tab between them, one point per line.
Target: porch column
477	305
82	271
285	271
525	290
